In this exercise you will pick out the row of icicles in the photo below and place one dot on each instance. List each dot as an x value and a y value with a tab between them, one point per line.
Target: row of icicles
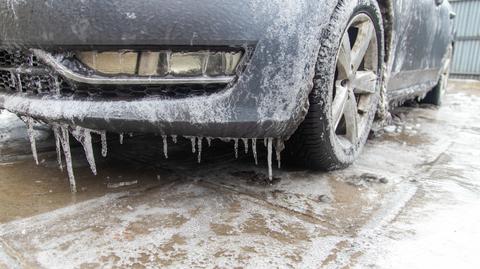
84	136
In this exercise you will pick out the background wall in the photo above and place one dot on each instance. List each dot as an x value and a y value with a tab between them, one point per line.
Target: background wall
466	60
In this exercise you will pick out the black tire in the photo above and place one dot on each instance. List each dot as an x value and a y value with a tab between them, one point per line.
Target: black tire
435	96
315	144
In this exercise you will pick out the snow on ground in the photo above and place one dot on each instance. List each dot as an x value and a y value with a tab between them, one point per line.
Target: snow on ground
411	201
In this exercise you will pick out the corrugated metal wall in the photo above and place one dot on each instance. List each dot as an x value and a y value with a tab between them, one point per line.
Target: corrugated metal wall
466	61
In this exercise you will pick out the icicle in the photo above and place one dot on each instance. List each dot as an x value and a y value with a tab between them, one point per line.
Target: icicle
192	139
254	149
245	143
279	147
39	86
269	158
57	85
235	146
13	79
121	138
209	141
165	146
31	136
20	87
56	133
103	136
199	143
265	142
85	138
174	139
64	138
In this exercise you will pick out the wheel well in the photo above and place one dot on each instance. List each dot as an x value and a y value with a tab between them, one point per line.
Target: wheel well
386	7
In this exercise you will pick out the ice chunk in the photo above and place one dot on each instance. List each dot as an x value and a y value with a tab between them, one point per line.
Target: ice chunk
121	138
84	136
245	144
254	149
165	146
31	137
115	185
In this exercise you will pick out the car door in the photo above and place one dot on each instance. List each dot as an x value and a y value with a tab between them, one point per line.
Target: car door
421	37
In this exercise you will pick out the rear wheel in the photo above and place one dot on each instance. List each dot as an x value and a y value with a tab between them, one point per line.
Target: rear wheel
346	90
435	96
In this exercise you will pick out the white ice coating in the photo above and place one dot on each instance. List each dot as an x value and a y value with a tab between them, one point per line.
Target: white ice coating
235	146
269	158
245	144
254	149
84	136
165	146
31	137
121	138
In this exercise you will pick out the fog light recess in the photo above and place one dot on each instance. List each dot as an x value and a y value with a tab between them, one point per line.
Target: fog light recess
163	63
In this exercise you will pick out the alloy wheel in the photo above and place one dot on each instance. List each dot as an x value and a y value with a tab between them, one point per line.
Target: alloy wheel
356	79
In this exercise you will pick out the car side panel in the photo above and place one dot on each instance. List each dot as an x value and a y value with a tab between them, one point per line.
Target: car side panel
422	34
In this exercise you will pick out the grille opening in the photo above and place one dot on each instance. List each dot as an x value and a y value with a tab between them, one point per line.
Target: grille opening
16	58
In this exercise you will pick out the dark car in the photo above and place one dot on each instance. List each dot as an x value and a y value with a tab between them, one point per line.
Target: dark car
313	73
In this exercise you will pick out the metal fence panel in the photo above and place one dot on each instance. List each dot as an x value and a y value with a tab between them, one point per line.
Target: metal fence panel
466	60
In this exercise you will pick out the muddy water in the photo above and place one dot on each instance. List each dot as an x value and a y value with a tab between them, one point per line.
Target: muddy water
410	201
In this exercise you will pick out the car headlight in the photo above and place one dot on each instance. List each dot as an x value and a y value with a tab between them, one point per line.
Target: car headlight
163	63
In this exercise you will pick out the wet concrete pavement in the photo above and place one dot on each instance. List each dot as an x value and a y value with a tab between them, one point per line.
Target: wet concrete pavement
411	201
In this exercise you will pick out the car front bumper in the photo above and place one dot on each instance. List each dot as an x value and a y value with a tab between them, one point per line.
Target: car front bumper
268	99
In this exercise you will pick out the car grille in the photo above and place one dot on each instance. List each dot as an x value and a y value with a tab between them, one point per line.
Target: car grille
15	58
21	72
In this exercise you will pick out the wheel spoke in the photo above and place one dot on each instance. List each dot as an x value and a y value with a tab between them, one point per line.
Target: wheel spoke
339	102
351	118
344	59
364	36
364	82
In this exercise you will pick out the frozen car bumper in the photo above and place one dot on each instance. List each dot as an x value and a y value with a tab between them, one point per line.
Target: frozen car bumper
268	98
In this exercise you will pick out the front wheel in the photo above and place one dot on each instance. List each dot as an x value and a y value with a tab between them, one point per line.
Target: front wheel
346	89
